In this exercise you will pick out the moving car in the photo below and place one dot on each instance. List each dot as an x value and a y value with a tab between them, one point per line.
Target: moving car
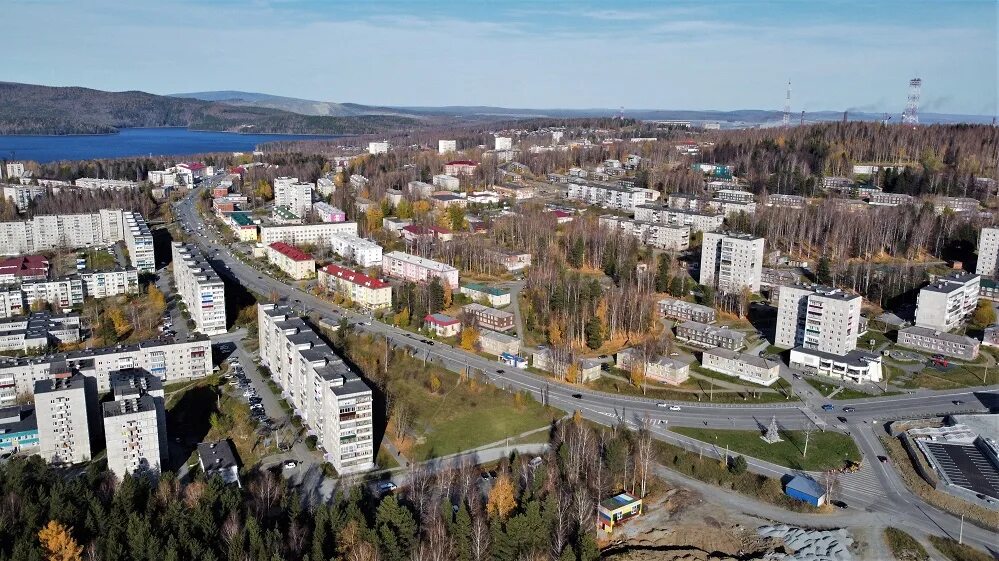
848	409
827	407
674	407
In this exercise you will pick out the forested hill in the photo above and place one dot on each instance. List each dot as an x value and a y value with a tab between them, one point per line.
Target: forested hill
31	109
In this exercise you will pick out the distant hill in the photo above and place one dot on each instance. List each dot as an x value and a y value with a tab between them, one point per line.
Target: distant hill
32	109
295	105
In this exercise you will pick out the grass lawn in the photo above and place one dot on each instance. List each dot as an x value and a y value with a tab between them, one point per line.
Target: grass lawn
826	450
956	551
698	390
827	388
904	547
957	377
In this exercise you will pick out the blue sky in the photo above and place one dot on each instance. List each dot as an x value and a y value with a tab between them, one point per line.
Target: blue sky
651	55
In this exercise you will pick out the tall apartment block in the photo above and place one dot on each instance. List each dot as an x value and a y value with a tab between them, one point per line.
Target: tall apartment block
332	401
818	318
135	424
945	303
201	289
988	253
139	242
62	409
731	262
295	195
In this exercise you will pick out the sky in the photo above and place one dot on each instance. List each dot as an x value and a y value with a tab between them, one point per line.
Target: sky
722	55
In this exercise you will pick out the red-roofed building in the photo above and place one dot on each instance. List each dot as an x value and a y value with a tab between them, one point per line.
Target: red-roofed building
442	325
18	269
297	263
561	216
198	170
414	232
461	167
367	292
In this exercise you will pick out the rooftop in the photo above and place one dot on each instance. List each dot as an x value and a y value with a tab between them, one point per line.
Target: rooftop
745	358
492	290
441	319
217	455
290	251
354	277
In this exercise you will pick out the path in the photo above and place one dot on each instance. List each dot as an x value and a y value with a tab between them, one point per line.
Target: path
515	288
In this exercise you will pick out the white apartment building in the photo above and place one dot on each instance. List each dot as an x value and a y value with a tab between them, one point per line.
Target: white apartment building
662	236
169	361
297	196
11	302
293	261
988	253
64	293
610	195
135	424
38	331
171	177
365	253
105	184
139	242
444	181
368	292
15	169
22	195
744	366
328	213
945	303
62	409
332	401
325	186
504	143
418	269
446	146
817	318
103	284
731	262
697	221
378	147
305	234
200	288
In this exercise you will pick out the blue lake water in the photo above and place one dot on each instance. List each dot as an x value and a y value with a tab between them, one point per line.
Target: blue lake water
134	142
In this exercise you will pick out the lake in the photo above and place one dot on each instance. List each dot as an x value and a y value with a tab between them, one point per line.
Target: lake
172	141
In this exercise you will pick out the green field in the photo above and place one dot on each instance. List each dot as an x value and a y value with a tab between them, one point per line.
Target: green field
826	450
697	390
826	388
960	376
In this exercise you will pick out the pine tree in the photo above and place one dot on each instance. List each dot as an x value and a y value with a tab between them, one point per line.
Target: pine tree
461	531
594	333
435	296
577	253
396	529
823	274
663	274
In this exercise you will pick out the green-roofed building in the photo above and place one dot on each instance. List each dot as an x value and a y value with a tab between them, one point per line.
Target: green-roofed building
496	296
242	225
285	215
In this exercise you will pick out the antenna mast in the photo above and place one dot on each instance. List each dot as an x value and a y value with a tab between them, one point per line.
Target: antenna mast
787	106
911	115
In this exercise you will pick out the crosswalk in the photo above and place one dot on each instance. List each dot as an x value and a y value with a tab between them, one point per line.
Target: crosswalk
862	487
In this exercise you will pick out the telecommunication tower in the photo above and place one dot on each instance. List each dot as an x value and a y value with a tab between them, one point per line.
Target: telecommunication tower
911	115
787	106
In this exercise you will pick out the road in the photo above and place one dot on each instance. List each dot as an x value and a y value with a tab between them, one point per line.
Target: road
610	409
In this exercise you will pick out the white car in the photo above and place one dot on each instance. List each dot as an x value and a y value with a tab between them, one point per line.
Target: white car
674	407
661	404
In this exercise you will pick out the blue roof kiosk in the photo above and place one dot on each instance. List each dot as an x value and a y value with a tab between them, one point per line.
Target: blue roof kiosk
806	489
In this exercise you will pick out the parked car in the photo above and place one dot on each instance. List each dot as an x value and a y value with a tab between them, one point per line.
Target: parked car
827	407
289	464
386	487
883	459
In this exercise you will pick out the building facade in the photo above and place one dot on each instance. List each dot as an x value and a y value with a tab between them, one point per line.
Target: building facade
495	296
744	366
662	236
857	366
295	263
367	292
305	234
365	253
687	311
489	318
610	195
698	221
200	288
817	317
418	269
947	302
63	409
988	253
296	196
731	262
704	335
939	342
135	425
496	343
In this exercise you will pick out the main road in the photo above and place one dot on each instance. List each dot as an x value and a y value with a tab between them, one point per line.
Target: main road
880	491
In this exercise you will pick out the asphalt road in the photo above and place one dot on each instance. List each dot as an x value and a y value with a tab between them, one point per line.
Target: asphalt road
610	409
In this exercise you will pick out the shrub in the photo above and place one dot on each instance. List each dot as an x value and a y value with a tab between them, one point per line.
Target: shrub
903	546
311	441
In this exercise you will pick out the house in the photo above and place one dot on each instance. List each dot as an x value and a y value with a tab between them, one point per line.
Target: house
561	216
805	489
442	325
511	261
662	369
617	509
219	458
495	343
490	318
496	297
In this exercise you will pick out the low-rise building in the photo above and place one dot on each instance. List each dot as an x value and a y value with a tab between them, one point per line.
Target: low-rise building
444	181
367	292
704	335
938	342
495	296
218	458
746	367
857	366
418	269
781	200
305	234
24	268
381	147
38	331
284	215
778	277
948	301
890	199
496	343
460	167
18	428
698	221
662	236
447	146
617	509
328	213
956	204
296	263
242	224
446	200
610	195
660	369
687	311
489	318
510	260
442	325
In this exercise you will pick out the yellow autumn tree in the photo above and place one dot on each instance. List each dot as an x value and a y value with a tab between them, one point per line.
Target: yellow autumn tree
469	337
373	218
572	373
501	498
156	299
58	543
120	322
421	207
554	333
448	296
265	190
435	383
637	373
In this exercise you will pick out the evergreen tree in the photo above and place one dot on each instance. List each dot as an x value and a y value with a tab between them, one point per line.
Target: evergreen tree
396	529
435	296
663	274
823	274
594	333
577	253
461	531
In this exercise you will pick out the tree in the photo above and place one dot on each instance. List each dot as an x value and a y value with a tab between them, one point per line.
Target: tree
594	333
502	498
577	253
373	218
396	529
435	296
572	373
58	543
456	218
265	190
469	338
823	273
156	299
663	274
708	295
738	465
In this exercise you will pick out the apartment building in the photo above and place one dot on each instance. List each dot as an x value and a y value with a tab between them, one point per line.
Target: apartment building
38	331
23	195
458	168
817	318
704	335
23	268
200	288
687	311
332	401
744	366
14	169
135	424
731	262
495	296
447	146
988	253
698	221
63	409
504	143
139	241
103	284
365	253
890	199
684	201
305	234
734	196
418	269
956	204
378	147
296	263
443	181
780	200
945	303
939	342
295	196
497	344
105	184
368	292
489	318
610	195
18	428
328	213
11	303
662	236
64	293
664	369
856	366
325	186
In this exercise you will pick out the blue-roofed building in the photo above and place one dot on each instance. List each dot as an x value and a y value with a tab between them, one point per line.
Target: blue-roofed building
806	489
18	428
513	360
617	509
